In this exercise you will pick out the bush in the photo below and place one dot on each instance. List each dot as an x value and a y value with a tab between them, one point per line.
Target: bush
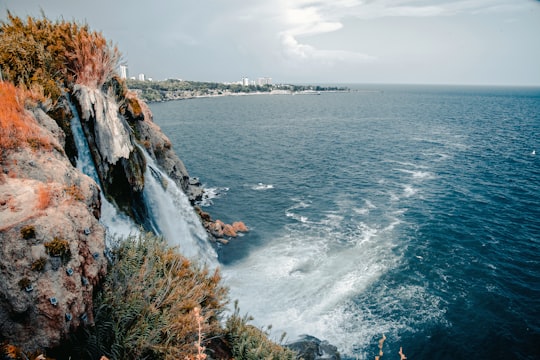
251	343
24	282
43	55
17	127
39	264
149	303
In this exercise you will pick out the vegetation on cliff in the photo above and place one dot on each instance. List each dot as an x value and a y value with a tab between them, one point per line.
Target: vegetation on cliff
17	126
157	304
45	56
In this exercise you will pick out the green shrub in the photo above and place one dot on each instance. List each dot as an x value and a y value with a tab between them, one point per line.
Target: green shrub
251	343
147	308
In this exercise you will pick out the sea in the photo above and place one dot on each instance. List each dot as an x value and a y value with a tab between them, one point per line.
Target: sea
408	211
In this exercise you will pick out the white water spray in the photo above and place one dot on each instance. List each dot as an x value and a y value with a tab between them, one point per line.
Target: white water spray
174	216
171	212
116	223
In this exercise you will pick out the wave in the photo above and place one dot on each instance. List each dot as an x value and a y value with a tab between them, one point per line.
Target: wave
210	194
261	186
316	268
420	175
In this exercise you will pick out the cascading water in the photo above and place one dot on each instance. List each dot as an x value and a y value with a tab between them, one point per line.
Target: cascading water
116	223
173	216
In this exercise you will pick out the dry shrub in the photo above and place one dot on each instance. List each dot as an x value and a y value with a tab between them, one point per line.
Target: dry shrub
17	127
44	196
59	248
42	55
93	60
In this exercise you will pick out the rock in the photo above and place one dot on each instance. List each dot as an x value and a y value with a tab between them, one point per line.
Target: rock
119	163
110	130
228	230
218	228
45	199
311	348
160	148
239	226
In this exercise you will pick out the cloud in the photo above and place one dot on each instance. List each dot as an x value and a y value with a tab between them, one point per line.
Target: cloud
301	20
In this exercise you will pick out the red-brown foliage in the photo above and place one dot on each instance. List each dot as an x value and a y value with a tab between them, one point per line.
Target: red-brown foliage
17	127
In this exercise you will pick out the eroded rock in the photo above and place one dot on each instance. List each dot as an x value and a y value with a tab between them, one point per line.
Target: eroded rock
44	201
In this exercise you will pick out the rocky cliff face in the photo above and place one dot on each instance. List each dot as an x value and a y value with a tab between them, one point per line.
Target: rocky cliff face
52	244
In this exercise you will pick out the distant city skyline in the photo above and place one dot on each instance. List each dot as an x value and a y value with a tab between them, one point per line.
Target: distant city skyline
480	42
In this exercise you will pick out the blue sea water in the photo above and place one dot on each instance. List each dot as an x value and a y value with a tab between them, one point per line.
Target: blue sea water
412	211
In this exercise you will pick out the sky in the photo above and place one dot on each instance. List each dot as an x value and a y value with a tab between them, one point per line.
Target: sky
473	42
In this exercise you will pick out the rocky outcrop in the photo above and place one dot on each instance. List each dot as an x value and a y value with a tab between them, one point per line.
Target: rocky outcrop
110	132
51	243
310	348
218	229
119	163
159	146
116	125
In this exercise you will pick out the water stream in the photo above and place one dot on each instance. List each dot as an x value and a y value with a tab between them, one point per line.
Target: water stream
172	215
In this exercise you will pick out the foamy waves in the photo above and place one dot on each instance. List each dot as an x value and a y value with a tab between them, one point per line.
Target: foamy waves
261	186
212	193
324	274
312	271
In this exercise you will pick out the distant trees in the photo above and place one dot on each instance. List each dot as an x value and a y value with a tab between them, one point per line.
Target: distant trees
179	89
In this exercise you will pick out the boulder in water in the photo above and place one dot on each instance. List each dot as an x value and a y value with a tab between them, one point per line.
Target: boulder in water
239	226
310	348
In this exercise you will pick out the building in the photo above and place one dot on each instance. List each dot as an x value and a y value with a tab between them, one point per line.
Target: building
141	77
264	81
245	81
123	72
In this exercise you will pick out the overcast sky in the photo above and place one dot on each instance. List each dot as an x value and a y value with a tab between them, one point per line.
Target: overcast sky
316	41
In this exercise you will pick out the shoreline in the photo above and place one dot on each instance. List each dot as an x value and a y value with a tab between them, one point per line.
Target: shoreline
172	97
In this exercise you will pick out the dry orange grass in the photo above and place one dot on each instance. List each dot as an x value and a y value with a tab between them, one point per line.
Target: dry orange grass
93	60
44	196
17	127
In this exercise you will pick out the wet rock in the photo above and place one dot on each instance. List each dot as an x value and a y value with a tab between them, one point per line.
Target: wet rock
310	348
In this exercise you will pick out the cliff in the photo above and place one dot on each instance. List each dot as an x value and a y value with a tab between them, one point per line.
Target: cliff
52	240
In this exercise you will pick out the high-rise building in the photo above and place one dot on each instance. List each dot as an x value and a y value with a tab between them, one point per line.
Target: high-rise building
141	77
245	81
123	71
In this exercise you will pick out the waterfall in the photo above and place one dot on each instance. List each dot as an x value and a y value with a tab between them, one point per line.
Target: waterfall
117	224
173	216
